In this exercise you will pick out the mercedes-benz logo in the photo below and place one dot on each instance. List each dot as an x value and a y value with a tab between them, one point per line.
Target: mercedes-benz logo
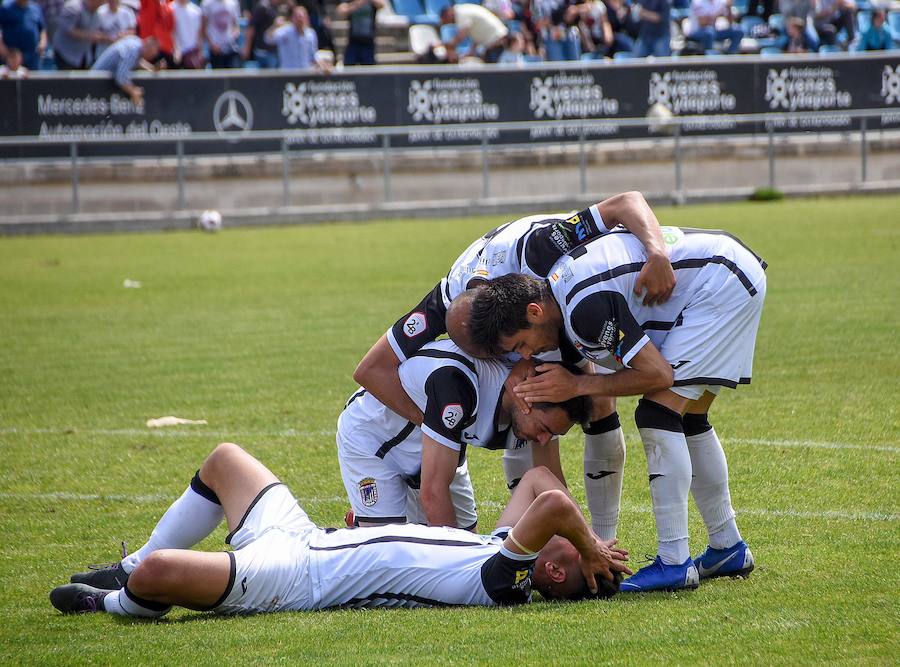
232	114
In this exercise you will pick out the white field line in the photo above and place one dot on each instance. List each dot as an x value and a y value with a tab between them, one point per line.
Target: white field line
64	496
329	433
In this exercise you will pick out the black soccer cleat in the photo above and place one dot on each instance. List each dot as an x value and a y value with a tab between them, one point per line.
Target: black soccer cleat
78	598
110	577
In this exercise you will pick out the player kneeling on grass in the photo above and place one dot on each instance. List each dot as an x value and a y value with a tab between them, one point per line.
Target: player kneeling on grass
283	561
395	471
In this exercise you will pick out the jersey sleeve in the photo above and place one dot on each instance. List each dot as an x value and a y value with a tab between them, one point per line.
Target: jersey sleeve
603	321
506	576
545	245
421	325
450	406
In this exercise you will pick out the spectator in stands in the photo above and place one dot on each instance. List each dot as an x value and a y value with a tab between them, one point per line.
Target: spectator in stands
156	20
704	17
51	9
296	41
597	34
831	16
116	21
654	31
361	38
22	25
188	35
255	47
485	29
556	21
13	67
76	33
797	38
514	47
124	56
877	37
221	28
318	19
623	24
803	10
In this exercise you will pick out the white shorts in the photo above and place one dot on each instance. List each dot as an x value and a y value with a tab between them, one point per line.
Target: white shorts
270	563
378	490
713	346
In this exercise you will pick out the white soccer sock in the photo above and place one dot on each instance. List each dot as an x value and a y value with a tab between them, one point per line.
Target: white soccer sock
669	469
123	603
604	463
710	485
516	462
187	521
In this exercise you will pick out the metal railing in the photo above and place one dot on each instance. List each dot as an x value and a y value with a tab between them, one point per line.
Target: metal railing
658	129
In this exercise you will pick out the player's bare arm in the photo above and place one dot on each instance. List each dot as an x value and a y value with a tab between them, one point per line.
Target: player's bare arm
648	373
438	468
541	508
548	457
378	374
631	210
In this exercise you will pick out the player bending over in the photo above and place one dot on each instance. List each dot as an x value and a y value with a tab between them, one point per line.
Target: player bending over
282	561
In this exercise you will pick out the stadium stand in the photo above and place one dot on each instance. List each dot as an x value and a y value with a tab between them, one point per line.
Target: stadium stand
409	30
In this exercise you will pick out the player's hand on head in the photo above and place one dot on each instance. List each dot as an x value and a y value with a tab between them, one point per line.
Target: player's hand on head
552	384
656	280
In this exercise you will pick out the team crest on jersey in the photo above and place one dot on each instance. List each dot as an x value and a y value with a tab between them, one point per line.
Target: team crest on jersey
498	258
451	415
368	491
608	334
414	325
671	235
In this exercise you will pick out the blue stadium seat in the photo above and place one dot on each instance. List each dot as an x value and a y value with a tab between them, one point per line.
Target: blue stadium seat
413	10
434	7
741	6
533	58
776	23
623	55
830	49
893	21
771	51
750	22
864	20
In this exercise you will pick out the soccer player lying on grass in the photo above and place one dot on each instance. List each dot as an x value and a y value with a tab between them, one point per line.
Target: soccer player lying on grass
532	245
678	355
282	561
395	471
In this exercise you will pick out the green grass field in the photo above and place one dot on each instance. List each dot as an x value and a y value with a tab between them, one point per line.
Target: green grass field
258	331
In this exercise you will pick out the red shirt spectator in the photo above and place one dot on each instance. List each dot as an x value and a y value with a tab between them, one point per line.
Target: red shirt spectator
156	20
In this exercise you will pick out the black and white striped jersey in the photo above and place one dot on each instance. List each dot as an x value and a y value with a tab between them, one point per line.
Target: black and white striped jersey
459	395
594	287
409	565
529	245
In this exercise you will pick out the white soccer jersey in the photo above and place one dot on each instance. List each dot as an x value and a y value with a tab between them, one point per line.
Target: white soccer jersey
283	561
529	245
716	273
459	395
409	565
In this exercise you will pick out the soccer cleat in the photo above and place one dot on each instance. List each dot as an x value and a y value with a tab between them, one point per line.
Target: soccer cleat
110	577
736	561
661	577
78	599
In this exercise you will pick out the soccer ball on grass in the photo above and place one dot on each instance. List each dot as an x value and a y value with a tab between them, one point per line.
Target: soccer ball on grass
210	221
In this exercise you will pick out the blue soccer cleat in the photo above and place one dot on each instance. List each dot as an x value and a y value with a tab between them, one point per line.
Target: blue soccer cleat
736	561
661	577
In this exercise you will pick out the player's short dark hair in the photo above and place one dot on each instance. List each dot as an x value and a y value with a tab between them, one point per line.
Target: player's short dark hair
578	408
605	588
499	309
